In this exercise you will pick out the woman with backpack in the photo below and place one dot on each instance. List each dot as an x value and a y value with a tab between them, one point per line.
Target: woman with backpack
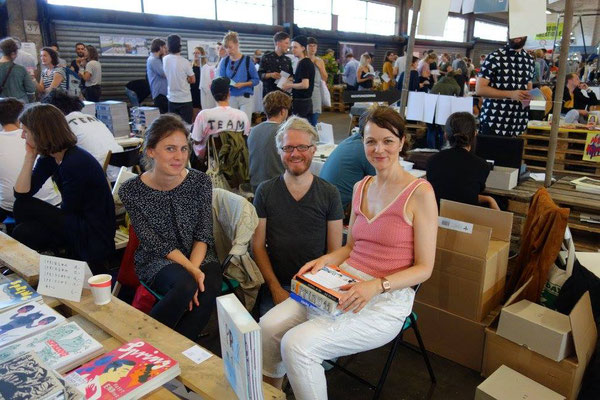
242	73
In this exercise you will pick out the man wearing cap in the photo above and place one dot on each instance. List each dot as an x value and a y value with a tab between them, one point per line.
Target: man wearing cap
304	79
273	62
504	81
222	118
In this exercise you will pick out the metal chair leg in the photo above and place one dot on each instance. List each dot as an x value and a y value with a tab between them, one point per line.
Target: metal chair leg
422	347
386	368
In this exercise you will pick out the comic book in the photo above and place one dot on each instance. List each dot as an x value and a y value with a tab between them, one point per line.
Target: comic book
15	291
26	320
26	377
61	348
129	372
241	348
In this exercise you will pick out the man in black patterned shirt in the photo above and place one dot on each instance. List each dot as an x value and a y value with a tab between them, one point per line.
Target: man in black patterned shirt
273	62
504	82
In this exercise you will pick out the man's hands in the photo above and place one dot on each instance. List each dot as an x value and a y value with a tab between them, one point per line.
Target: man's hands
519	95
274	75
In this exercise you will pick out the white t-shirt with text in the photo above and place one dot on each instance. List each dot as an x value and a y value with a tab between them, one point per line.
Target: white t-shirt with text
216	120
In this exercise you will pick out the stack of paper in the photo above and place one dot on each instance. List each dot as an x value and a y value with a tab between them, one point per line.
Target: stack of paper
587	185
115	116
144	116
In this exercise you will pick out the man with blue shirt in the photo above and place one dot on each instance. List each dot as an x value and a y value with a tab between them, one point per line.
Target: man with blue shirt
156	74
241	72
350	72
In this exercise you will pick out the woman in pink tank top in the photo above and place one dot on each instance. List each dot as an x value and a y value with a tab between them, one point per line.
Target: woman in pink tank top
390	246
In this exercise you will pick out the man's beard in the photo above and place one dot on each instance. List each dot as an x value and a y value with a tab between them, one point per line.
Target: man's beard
517	45
299	170
80	54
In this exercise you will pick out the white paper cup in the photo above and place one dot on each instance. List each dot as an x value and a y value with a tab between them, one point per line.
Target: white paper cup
100	285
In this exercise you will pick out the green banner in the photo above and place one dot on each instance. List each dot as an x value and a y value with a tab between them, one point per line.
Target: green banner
551	32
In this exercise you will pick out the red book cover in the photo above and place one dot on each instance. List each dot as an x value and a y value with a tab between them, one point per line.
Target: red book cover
132	370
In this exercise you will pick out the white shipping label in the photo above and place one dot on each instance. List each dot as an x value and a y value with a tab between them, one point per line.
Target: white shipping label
455	225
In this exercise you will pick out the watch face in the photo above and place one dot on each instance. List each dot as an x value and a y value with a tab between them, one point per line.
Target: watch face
387	285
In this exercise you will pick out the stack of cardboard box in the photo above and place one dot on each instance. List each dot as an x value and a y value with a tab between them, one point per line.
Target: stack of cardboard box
467	282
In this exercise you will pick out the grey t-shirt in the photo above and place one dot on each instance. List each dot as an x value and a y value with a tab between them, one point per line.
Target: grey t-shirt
94	68
296	230
265	162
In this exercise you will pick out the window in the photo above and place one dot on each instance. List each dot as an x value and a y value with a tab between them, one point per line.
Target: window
119	5
182	8
251	11
454	31
381	19
365	17
313	14
485	30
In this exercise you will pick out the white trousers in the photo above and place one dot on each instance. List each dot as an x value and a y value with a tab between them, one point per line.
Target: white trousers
296	341
245	104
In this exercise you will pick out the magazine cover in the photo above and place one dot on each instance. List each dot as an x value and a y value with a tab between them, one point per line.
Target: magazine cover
25	377
129	372
26	320
14	292
61	348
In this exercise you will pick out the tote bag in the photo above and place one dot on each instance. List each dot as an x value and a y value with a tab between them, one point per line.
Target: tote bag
214	167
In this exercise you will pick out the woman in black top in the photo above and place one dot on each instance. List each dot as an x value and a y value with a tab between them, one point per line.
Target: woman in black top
457	174
85	223
304	79
171	211
364	73
199	61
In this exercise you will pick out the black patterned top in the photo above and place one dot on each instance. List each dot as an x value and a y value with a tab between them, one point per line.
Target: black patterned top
168	220
506	69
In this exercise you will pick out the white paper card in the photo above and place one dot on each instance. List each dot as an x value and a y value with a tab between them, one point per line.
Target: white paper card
455	6
385	77
455	225
443	109
415	105
468	6
197	354
433	17
462	104
429	110
61	278
325	132
526	18
283	79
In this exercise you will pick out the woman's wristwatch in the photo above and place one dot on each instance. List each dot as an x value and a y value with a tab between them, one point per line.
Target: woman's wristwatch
386	286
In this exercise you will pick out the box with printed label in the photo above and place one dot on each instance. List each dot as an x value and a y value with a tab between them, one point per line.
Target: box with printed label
502	178
470	263
508	384
565	376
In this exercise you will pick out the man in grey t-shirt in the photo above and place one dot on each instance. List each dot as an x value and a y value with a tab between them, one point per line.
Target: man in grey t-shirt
300	215
265	162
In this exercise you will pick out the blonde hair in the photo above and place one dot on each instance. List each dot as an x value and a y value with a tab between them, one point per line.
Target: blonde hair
539	53
363	59
297	124
230	36
202	57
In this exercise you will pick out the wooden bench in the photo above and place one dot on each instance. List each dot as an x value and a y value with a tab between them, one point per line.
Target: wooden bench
124	323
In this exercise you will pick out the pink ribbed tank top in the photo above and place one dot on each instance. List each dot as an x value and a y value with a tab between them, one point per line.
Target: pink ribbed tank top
383	245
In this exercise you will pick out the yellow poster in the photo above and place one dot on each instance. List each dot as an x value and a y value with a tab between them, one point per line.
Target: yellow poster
591	151
551	32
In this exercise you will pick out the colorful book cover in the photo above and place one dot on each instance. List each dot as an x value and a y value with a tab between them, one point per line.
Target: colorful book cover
129	372
25	377
14	292
61	348
26	320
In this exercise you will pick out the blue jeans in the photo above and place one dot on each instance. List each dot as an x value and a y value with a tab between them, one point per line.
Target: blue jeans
435	136
313	118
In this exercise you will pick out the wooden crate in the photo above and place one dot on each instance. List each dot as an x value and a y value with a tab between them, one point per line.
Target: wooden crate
569	152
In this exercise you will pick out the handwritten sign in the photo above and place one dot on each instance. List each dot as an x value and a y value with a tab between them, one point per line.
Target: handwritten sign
62	278
591	151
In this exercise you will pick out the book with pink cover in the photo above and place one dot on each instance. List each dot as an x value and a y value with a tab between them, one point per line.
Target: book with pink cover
129	372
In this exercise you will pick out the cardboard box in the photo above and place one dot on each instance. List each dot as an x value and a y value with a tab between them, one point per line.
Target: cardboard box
470	265
540	329
564	377
450	336
507	384
502	178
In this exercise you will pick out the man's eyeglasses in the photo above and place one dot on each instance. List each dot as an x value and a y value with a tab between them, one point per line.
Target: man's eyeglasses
301	148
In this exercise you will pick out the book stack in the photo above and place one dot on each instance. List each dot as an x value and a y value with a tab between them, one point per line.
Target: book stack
14	292
143	117
89	107
321	291
587	185
129	372
241	348
26	320
115	116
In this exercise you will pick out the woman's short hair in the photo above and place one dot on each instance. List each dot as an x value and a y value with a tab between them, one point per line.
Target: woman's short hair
49	128
276	101
297	124
384	117
231	36
159	129
8	47
174	43
53	55
460	129
10	108
63	101
156	45
92	52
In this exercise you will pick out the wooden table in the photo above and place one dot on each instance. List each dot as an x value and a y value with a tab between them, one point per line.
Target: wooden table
124	323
